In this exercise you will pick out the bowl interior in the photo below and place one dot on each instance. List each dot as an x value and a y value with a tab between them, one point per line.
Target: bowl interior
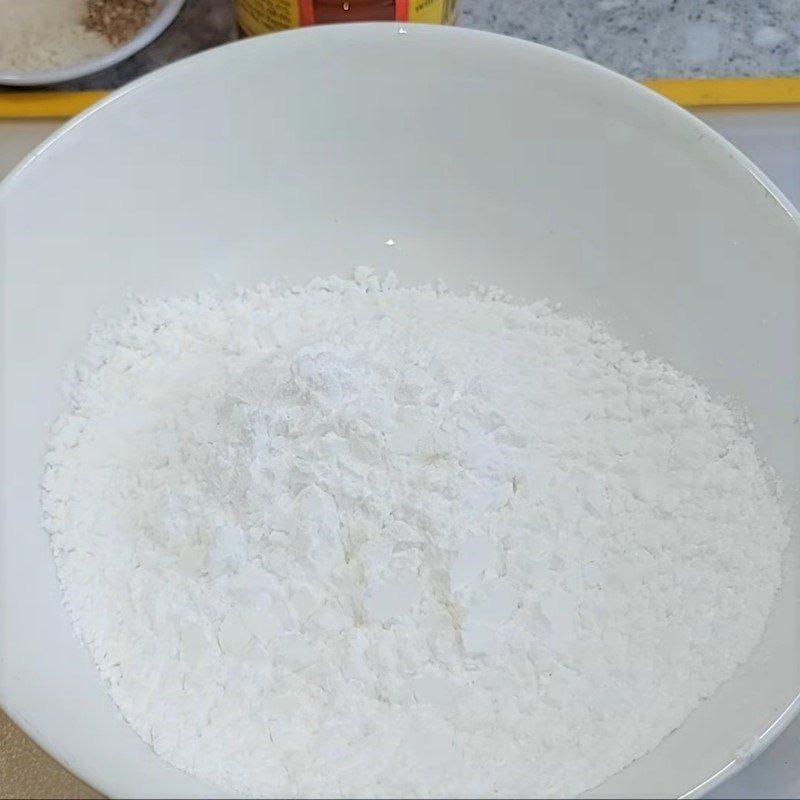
164	12
483	159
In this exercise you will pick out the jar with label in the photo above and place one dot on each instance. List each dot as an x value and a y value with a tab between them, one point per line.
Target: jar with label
255	17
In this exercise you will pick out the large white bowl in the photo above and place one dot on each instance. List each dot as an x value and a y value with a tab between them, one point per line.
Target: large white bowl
482	158
163	14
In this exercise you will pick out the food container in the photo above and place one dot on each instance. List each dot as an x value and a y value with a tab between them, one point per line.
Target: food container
255	17
162	16
516	165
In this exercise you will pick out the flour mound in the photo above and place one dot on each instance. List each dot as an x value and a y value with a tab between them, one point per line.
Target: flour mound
360	540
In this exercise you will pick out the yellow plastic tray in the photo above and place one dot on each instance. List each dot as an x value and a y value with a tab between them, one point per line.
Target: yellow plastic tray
685	92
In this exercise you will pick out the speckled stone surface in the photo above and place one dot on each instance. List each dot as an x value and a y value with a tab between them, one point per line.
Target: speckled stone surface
640	38
656	38
26	771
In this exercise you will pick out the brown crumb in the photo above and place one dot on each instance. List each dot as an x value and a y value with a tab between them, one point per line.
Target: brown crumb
117	20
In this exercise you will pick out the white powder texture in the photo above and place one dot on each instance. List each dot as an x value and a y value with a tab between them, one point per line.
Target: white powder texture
46	34
353	539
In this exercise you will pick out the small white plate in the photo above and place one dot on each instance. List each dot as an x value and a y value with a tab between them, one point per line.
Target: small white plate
164	13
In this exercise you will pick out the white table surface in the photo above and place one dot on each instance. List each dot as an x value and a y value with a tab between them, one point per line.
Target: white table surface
771	138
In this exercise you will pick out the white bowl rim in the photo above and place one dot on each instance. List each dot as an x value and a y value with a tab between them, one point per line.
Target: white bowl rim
148	34
781	722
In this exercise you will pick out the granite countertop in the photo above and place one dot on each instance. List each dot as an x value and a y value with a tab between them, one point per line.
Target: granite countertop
656	38
26	771
640	38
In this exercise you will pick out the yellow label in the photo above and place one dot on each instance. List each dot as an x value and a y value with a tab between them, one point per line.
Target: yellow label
263	16
436	12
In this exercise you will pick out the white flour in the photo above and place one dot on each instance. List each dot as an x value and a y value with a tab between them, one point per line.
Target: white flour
46	34
361	540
